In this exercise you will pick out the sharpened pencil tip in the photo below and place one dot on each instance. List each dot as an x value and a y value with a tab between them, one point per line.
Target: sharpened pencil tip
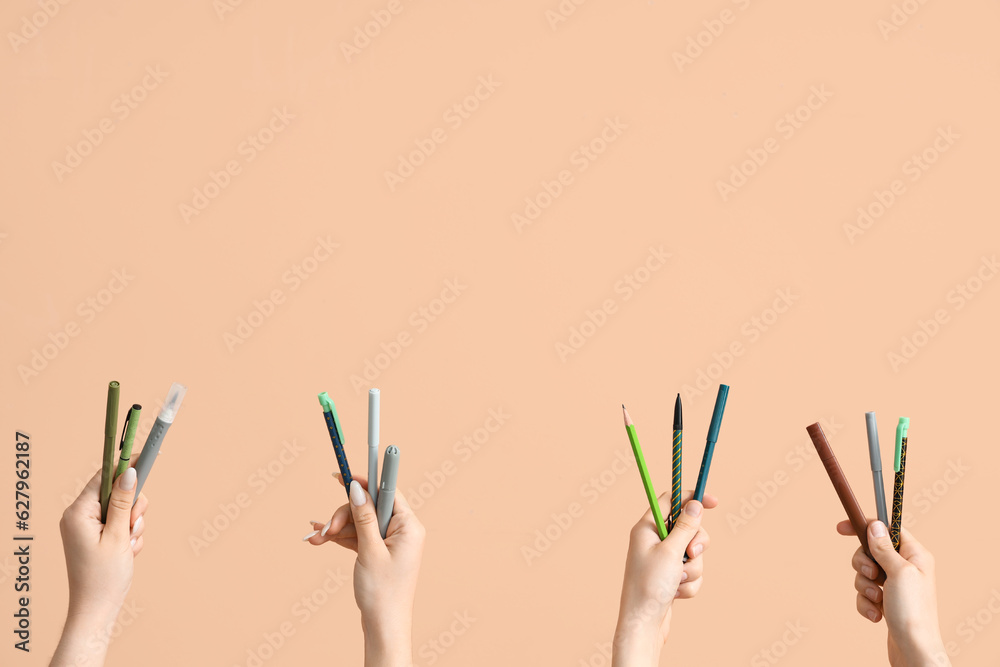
628	420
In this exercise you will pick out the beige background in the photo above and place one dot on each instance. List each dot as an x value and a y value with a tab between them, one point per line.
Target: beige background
495	346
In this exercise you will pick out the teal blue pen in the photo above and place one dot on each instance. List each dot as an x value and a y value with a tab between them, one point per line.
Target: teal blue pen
337	437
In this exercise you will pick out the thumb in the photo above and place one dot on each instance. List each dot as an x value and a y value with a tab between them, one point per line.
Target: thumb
685	528
880	544
365	522
117	526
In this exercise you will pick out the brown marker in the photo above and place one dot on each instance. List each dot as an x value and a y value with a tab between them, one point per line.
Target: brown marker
840	483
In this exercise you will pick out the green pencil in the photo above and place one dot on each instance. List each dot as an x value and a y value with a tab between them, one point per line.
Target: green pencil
128	438
647	483
110	430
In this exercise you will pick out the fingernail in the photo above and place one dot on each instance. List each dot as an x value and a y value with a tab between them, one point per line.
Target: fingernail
315	521
135	526
696	550
357	494
872	615
133	542
872	594
693	508
326	527
127	479
868	571
312	534
684	576
878	529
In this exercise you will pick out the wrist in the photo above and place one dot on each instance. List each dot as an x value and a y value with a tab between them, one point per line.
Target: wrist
925	650
388	640
636	644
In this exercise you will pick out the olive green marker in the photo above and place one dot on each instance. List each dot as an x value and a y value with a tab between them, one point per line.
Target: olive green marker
128	438
110	430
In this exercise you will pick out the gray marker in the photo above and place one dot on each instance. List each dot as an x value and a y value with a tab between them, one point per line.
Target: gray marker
156	434
387	489
373	407
876	459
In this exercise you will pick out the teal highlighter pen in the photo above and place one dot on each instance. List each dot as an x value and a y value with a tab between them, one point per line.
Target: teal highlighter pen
337	437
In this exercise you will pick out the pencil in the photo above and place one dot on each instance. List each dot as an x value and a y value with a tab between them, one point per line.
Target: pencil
897	488
713	436
110	430
647	483
337	437
675	495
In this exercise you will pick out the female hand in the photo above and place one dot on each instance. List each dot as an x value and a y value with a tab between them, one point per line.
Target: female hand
655	575
385	573
905	596
99	563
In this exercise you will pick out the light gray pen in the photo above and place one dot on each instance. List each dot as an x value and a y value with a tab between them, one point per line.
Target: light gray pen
387	489
156	434
876	458
373	406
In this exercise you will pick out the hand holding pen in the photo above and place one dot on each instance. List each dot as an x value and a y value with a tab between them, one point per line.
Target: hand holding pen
905	595
656	575
385	573
99	563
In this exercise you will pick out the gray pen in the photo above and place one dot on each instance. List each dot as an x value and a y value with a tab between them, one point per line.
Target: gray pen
373	408
387	489
156	434
876	459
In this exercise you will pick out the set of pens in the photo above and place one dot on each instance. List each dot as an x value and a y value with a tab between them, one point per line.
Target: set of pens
899	465
663	529
109	470
854	512
383	494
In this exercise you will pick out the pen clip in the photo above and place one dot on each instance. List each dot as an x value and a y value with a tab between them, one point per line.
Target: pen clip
128	417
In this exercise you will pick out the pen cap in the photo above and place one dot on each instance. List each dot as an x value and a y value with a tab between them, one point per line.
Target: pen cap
901	429
720	407
173	403
390	469
328	406
873	449
373	417
111	416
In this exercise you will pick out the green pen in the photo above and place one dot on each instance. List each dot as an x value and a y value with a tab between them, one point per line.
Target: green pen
128	438
110	430
647	482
